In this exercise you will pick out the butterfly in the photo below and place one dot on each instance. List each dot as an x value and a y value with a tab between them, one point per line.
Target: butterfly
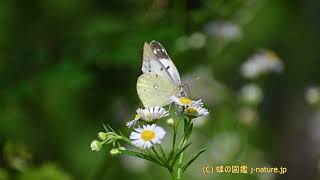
160	79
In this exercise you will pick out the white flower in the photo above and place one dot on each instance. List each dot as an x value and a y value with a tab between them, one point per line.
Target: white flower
260	63
313	95
192	108
148	114
251	93
196	111
152	113
146	136
133	122
183	101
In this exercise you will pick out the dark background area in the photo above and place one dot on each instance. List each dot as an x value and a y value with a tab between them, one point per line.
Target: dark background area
67	67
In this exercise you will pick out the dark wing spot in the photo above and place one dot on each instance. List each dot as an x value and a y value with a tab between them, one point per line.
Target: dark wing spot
167	67
161	69
158	50
149	70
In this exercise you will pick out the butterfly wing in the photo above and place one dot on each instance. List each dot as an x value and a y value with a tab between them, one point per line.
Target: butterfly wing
154	89
161	55
151	63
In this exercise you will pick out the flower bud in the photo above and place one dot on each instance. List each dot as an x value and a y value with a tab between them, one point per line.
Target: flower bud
95	145
122	148
115	151
102	136
170	121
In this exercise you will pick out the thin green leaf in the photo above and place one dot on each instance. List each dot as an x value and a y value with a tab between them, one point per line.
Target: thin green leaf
189	130
110	128
142	156
120	133
105	127
185	127
170	156
192	159
176	156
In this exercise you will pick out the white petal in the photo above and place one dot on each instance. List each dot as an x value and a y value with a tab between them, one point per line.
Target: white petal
134	136
139	129
138	143
131	123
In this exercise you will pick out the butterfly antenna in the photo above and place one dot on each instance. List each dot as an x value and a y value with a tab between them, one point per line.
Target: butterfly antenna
188	90
187	85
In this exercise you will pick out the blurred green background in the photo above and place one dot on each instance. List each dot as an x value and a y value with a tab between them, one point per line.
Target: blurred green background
67	67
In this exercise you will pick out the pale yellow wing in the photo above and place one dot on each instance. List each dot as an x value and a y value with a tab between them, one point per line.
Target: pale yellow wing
152	64
154	89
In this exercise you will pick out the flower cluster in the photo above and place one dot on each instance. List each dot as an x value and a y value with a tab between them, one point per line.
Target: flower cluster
150	114
147	135
148	125
190	108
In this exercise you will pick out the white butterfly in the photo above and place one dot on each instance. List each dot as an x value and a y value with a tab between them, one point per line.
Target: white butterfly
160	79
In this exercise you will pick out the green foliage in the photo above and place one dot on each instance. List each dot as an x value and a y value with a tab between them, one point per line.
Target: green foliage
66	67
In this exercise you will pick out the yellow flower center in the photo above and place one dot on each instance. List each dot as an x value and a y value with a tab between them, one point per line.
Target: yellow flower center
148	135
272	56
185	101
148	116
191	111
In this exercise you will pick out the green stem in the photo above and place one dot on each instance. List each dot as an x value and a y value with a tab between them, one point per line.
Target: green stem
175	132
173	177
182	143
174	139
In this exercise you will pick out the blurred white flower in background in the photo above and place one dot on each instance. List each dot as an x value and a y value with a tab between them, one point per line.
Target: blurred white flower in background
248	116
224	146
196	40
262	62
251	94
313	95
313	129
202	85
224	30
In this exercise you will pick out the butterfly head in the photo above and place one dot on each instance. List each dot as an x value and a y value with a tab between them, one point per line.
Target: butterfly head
180	91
